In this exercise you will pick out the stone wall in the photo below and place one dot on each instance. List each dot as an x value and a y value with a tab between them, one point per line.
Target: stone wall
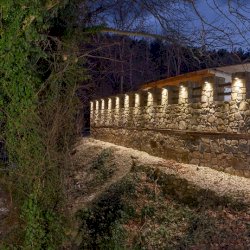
231	117
229	153
208	133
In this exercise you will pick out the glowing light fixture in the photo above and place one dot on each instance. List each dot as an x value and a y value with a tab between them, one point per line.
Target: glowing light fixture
238	89
237	85
91	106
238	82
207	92
208	86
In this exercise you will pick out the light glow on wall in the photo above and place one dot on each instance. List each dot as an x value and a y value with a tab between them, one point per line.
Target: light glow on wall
102	104
238	89
91	106
183	94
208	86
238	83
102	117
150	99
137	100
207	92
164	97
126	101
97	105
109	103
117	102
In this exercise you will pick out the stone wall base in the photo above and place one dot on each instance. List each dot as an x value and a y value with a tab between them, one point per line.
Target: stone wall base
225	152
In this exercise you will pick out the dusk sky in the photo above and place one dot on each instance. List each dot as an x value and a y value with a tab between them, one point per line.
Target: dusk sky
229	19
216	23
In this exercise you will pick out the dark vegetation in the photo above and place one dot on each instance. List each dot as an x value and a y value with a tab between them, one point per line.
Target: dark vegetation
151	210
101	169
38	114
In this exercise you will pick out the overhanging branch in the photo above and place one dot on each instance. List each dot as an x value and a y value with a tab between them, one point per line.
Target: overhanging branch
132	33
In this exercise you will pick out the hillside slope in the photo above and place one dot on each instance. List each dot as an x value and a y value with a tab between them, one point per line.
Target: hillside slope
126	199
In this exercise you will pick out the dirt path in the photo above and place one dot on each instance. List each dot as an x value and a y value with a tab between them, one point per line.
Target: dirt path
85	153
222	183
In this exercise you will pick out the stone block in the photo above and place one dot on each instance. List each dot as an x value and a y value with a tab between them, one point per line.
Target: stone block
211	119
214	161
243	106
238	116
207	156
234	96
195	161
247	173
182	125
219	121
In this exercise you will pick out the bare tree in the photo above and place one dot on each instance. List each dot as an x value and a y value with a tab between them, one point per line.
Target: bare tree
193	34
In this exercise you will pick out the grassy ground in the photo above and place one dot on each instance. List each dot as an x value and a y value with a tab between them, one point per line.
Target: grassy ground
150	210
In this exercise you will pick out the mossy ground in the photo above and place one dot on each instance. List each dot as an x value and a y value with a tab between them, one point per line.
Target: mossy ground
151	210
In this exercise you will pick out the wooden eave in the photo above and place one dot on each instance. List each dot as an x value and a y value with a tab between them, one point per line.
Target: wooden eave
196	76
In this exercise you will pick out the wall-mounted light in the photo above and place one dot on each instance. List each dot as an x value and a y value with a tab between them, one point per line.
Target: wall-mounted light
207	95
183	94
183	91
91	106
183	88
238	89
238	82
237	85
208	86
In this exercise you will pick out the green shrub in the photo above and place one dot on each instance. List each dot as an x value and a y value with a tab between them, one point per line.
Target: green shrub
102	167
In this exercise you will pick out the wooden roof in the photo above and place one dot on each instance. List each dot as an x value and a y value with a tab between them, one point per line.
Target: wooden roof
198	76
176	80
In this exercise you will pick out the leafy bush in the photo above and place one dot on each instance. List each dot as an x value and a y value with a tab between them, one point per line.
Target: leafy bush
101	223
102	168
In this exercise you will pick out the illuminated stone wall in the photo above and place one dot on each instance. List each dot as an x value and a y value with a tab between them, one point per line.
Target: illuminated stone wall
230	117
208	133
222	152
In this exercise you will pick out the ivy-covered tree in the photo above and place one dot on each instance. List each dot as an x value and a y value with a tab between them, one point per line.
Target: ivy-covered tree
39	72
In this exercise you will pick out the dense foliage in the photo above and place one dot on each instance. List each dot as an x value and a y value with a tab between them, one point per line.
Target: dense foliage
39	72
